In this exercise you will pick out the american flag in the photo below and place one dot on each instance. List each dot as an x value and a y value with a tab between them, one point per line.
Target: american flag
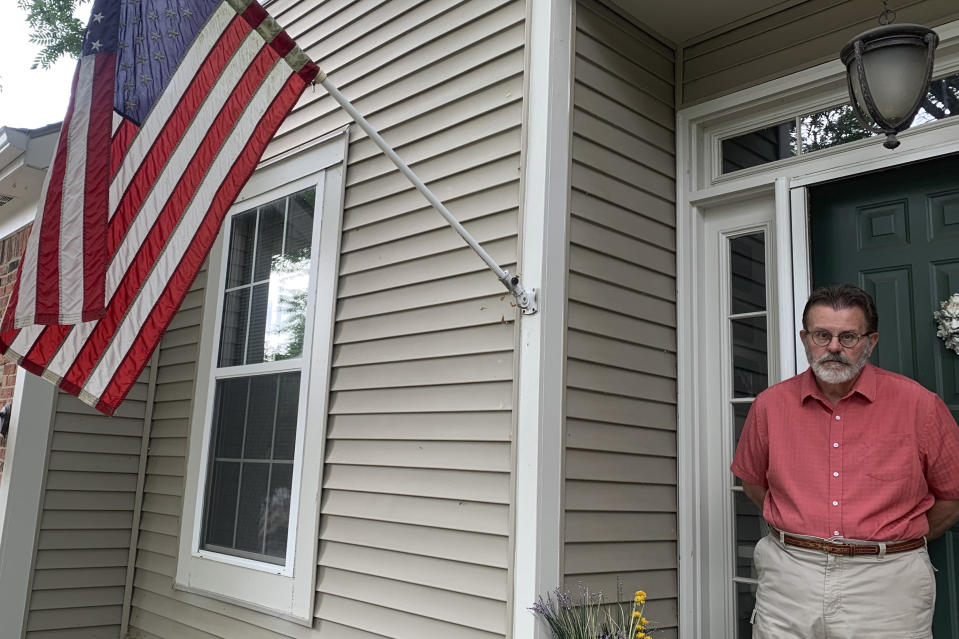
173	103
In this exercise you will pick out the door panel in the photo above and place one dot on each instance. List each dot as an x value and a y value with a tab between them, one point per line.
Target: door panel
896	234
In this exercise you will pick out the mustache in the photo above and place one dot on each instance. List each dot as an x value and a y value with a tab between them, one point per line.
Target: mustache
833	357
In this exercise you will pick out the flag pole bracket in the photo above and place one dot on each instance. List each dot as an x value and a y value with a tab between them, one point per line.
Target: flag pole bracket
525	298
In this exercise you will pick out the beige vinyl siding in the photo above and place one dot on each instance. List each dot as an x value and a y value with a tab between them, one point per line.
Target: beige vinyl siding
86	518
620	487
798	37
415	511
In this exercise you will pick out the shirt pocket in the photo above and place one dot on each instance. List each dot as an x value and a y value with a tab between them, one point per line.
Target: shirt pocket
890	458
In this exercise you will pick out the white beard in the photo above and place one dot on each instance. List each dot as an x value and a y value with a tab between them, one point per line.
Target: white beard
836	368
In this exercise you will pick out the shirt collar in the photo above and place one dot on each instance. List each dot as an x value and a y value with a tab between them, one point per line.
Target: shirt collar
865	385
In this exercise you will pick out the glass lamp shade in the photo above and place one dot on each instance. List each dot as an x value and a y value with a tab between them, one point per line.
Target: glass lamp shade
888	71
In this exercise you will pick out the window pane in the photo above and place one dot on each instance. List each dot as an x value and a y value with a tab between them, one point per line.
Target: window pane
269	239
233	327
278	509
831	127
251	512
749	530
299	224
747	256
941	102
231	398
285	438
749	356
759	147
221	504
259	427
745	602
241	249
258	318
248	502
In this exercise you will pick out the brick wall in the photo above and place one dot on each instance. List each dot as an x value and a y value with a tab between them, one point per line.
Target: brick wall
11	248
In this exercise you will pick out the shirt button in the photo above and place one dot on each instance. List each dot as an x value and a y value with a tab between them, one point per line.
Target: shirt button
835	503
838	418
835	444
835	533
835	474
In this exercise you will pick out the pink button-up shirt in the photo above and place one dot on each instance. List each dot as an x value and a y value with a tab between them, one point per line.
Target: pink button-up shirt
868	468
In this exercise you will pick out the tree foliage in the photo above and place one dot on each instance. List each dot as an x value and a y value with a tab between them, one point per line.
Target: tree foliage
54	28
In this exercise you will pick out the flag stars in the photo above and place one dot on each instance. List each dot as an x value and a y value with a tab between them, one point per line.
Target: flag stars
135	20
172	34
170	13
125	66
130	105
158	56
96	45
154	35
141	59
145	79
186	13
98	17
123	44
139	39
153	15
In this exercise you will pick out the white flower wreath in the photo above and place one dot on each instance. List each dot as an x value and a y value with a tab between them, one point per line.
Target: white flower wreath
948	322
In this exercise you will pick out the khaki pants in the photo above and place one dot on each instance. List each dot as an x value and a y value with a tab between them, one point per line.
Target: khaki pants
808	594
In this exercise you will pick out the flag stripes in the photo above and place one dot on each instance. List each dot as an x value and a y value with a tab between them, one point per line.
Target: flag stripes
181	172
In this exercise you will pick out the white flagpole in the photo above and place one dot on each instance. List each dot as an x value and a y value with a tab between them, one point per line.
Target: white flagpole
525	298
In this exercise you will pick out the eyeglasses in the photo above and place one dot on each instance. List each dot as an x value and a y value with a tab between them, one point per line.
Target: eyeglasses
847	339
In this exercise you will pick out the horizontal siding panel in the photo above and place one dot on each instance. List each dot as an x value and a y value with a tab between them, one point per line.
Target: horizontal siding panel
480	339
373	619
95	424
618	526
92	462
453	514
606	26
593	47
73	618
96	443
440	484
478	312
456	545
624	168
454	576
161	485
491	227
617	381
621	300
658	584
79	578
486	426
161	544
158	523
788	41
626	119
582	495
588	435
607	136
164	504
425	372
658	265
620	354
69	480
155	562
601	185
619	467
599	321
611	557
431	603
87	500
481	397
85	519
67	539
87	558
89	632
75	598
622	219
479	456
584	404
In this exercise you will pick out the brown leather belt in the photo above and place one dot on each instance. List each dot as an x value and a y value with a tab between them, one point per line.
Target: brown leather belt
849	550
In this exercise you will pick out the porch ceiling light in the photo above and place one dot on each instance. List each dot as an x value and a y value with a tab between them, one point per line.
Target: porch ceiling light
888	71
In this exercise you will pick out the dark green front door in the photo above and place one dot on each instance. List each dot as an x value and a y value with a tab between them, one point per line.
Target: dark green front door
896	234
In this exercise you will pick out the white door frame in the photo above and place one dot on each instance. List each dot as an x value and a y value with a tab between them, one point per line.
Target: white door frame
700	186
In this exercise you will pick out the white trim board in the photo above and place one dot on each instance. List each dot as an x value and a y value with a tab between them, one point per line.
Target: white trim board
540	388
699	186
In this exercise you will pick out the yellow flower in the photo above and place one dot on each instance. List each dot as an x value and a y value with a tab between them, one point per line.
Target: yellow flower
640	593
640	635
636	614
644	621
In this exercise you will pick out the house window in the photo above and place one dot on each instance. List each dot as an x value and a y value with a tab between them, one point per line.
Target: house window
825	129
249	534
255	415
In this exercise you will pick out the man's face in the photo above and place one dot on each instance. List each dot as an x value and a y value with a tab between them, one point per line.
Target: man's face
833	363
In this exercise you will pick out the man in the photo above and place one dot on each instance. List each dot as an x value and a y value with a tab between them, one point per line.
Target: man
853	467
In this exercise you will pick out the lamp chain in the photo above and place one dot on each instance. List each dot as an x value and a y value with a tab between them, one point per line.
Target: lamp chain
887	16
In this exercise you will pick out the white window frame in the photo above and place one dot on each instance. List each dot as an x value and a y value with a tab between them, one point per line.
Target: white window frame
285	590
700	188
